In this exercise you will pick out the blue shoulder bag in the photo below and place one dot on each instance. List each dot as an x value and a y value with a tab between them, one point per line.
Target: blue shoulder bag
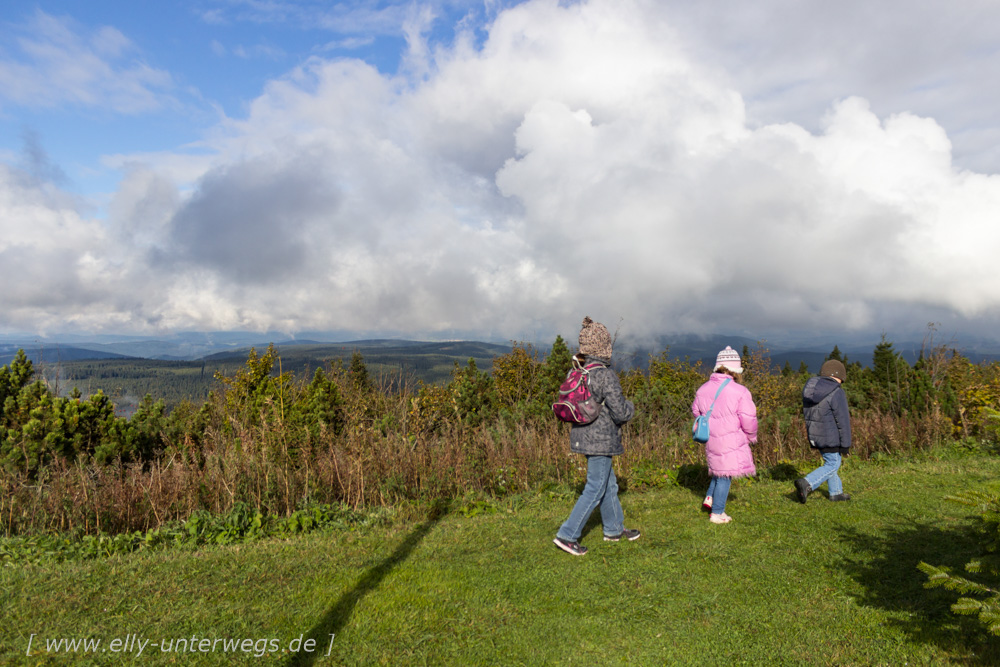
699	430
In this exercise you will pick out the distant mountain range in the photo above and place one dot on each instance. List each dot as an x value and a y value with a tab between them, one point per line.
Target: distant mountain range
705	348
195	346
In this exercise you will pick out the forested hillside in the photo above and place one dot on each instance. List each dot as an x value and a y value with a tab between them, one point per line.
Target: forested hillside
127	380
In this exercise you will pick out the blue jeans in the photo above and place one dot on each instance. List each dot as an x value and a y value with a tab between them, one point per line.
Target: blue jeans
601	489
718	488
827	473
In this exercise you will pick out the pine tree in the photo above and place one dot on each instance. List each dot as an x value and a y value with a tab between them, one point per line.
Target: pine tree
884	366
891	378
15	377
472	394
986	603
358	372
555	368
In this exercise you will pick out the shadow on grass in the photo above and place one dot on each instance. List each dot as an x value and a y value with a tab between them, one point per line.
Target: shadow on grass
887	572
783	472
694	477
340	613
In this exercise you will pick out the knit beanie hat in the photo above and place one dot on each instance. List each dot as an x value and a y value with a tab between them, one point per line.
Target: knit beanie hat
595	341
832	368
730	359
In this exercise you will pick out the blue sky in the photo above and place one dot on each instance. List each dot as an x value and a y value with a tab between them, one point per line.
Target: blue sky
180	66
498	169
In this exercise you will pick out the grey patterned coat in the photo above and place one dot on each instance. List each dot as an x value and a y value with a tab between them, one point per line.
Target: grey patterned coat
602	437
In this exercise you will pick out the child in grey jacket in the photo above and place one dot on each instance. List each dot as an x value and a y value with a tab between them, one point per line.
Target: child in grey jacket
600	441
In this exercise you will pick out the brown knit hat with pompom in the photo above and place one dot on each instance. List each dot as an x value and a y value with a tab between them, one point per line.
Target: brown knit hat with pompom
595	341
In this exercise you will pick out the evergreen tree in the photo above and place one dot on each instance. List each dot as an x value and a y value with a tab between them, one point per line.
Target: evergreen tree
554	370
473	394
889	380
979	590
14	377
320	409
253	389
358	372
884	363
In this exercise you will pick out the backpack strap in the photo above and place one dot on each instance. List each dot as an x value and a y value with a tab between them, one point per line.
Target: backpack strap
589	367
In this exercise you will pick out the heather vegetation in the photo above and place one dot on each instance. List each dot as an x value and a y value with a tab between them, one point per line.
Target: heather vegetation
275	444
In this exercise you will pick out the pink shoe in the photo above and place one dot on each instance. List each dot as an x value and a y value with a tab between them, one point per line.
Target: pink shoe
720	518
707	503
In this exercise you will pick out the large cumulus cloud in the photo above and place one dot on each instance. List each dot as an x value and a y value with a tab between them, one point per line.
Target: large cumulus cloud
584	158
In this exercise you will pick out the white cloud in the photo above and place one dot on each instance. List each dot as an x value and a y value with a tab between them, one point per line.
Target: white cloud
791	60
47	62
585	159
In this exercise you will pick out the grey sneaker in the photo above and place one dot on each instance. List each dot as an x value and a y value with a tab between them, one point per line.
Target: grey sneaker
628	534
840	497
574	548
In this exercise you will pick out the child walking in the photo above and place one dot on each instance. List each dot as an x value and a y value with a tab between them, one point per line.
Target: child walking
828	425
732	427
600	441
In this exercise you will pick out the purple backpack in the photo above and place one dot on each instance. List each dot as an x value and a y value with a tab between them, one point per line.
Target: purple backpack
576	404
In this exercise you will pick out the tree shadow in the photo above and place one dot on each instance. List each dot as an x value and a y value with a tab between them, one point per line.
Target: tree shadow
783	472
887	571
694	477
340	613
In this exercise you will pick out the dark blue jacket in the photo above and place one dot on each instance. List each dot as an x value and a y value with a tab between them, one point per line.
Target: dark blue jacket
828	422
602	437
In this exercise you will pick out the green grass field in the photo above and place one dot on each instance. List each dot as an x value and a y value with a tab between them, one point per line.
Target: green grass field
784	584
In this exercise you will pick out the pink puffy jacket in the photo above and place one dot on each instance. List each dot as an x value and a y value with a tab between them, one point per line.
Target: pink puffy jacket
732	427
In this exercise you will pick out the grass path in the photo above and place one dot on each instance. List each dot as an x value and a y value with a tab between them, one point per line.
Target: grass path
786	584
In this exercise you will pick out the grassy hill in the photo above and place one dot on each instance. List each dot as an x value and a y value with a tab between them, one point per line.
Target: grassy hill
481	583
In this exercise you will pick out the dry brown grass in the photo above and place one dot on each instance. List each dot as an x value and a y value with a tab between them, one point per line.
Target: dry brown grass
263	463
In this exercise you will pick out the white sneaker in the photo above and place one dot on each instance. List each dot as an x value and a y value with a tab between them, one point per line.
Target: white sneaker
707	503
720	518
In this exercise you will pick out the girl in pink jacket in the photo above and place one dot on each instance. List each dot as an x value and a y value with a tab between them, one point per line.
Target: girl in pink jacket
732	427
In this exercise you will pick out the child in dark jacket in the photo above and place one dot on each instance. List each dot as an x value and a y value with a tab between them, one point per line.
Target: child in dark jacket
828	426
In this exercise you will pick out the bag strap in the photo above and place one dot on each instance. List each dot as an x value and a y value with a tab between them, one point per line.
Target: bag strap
712	407
589	367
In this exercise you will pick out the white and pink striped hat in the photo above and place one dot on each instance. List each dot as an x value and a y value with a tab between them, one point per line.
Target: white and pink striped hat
730	359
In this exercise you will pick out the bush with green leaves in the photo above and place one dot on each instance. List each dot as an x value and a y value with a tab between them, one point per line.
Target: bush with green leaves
663	395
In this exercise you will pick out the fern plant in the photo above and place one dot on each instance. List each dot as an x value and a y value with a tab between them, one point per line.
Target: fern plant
977	599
